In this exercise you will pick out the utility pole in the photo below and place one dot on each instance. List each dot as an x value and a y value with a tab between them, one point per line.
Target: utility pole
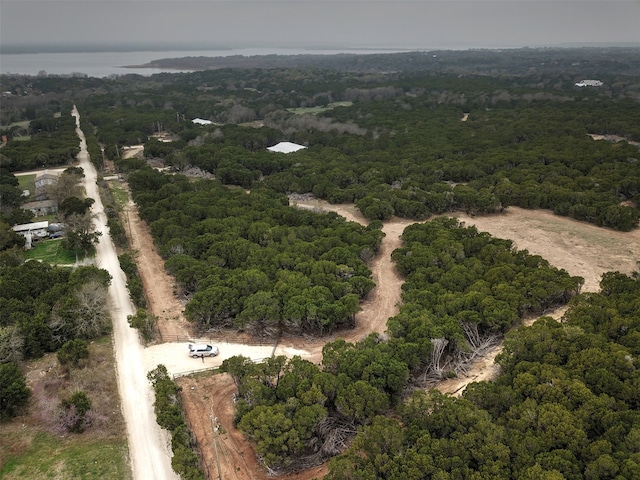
215	446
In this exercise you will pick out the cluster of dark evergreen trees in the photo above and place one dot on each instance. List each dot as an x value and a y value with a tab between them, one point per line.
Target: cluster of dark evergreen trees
456	277
566	405
42	309
250	261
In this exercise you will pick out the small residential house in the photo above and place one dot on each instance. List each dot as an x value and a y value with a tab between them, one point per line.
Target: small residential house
41	208
43	182
38	229
286	147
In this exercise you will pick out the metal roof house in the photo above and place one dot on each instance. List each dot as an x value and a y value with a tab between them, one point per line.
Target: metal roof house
286	147
201	121
42	207
45	178
589	83
39	229
31	231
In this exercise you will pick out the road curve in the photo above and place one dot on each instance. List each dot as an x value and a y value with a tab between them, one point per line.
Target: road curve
149	449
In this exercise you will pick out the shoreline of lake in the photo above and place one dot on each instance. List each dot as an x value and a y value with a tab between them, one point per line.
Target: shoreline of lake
106	64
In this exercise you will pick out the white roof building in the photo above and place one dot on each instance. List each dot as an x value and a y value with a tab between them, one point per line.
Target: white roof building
201	121
286	147
39	229
30	226
589	83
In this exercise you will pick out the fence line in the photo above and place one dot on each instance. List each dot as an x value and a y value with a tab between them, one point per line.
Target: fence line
222	338
205	369
191	372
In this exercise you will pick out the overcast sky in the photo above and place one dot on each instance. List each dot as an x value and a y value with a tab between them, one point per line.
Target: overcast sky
390	23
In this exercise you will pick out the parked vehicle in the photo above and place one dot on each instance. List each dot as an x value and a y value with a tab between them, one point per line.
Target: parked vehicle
202	350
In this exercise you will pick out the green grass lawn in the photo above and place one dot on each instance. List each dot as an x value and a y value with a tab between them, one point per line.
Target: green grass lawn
22	124
28	182
316	110
52	218
51	251
119	194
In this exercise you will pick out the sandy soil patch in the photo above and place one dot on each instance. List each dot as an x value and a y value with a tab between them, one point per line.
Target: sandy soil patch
158	286
613	138
132	151
211	405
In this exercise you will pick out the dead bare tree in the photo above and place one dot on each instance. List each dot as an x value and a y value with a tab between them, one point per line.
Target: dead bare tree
11	344
68	185
432	372
471	331
92	314
439	344
335	434
479	345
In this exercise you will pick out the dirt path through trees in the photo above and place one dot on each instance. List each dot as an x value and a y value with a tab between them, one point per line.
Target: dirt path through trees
382	302
579	248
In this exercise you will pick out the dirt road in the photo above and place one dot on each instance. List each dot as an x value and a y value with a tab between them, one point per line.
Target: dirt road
148	444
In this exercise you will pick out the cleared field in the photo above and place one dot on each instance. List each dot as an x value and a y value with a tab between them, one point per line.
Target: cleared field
22	124
48	456
316	110
120	195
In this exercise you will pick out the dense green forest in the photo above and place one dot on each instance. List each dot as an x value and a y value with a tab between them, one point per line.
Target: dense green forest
566	405
479	61
49	140
456	293
415	136
249	260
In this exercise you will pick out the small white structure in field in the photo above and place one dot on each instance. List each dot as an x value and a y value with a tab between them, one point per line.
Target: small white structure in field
201	121
286	147
589	83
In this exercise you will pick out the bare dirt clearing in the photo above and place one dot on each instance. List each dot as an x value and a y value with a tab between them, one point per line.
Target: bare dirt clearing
579	248
132	151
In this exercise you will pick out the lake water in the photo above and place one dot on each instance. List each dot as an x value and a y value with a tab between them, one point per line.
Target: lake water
105	64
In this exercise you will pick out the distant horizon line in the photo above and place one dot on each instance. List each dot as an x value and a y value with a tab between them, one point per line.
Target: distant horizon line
23	48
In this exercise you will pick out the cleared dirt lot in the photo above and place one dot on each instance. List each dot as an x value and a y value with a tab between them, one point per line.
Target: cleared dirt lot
579	248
